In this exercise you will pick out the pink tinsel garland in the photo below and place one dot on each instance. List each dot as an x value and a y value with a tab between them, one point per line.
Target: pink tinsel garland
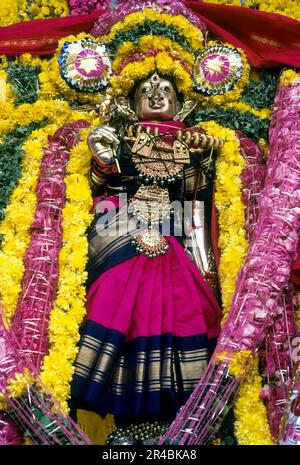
30	321
29	328
261	282
36	412
276	353
85	7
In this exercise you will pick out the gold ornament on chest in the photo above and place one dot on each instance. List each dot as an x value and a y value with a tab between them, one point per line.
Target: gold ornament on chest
157	160
150	205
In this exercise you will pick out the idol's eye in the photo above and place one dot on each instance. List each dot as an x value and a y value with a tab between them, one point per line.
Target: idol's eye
167	89
145	89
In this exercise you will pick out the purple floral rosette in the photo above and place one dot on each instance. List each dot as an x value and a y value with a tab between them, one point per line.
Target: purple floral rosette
217	69
85	65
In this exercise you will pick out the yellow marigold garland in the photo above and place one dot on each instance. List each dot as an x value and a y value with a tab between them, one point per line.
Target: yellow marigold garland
9	12
18	220
40	9
231	217
165	64
10	117
192	34
251	421
149	42
264	113
237	362
15	11
162	62
288	76
20	212
233	248
16	385
69	308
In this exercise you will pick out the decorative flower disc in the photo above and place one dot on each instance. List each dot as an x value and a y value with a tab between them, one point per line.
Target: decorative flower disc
85	65
217	69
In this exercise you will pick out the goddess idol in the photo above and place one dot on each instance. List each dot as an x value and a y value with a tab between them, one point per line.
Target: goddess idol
153	317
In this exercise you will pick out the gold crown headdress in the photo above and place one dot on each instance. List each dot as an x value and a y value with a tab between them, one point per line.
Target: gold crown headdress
152	37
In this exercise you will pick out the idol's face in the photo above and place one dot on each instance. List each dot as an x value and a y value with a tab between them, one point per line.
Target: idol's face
155	99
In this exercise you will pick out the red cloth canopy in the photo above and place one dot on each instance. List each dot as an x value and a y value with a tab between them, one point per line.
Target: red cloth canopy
269	40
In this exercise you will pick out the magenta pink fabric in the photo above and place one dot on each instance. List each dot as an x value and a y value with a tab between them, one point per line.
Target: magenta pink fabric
143	297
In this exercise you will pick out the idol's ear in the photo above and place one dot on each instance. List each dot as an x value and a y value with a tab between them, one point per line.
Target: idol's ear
124	108
186	108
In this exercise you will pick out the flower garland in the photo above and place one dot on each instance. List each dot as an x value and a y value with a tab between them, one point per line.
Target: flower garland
231	211
69	308
287	330
277	357
138	57
251	426
83	7
192	34
163	63
174	8
262	280
9	12
14	11
289	77
39	283
20	212
19	217
252	180
264	113
150	42
11	154
135	62
11	117
233	248
40	9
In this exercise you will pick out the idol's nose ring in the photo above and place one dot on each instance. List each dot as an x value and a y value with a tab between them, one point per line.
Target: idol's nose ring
156	95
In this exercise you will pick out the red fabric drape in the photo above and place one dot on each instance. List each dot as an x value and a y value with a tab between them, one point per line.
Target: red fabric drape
296	268
268	39
41	36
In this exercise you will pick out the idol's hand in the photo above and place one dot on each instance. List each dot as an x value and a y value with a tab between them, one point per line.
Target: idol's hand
103	143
